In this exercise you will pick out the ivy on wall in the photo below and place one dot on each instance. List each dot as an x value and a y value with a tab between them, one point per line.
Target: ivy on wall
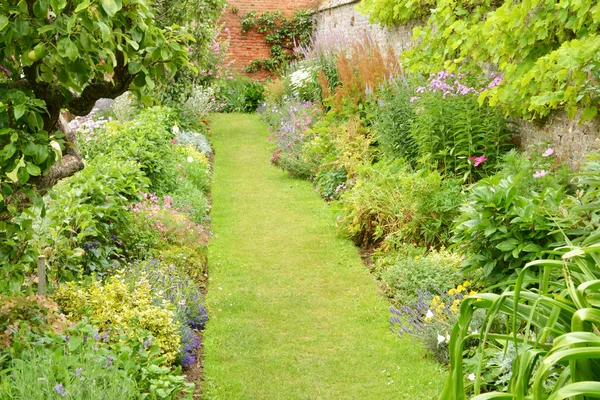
546	51
282	34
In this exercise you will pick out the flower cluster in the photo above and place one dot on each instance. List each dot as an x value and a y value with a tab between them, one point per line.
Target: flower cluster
454	84
290	121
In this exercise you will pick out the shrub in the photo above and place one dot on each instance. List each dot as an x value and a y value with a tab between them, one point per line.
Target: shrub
31	314
431	317
174	282
239	94
274	91
338	152
453	133
393	120
302	81
128	310
360	70
82	365
86	219
124	107
510	218
198	140
408	269
147	141
388	199
289	124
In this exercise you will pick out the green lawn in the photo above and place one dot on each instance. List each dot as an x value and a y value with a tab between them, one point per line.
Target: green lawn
294	312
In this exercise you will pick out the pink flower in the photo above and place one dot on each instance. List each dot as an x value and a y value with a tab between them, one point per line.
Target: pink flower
539	174
472	158
173	141
479	160
548	152
413	99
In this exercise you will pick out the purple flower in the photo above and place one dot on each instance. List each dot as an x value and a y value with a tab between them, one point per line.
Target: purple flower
109	361
539	174
548	152
78	371
60	389
148	343
413	99
96	336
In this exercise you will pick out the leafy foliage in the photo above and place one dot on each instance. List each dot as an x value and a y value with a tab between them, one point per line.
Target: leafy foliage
82	365
388	199
552	325
453	133
551	64
406	269
116	306
510	218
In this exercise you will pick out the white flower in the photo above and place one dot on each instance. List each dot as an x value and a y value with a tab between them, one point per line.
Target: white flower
447	338
475	332
471	377
190	159
441	339
429	314
175	129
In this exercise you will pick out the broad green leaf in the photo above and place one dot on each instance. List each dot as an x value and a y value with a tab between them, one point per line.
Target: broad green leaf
19	110
83	5
112	6
3	21
589	113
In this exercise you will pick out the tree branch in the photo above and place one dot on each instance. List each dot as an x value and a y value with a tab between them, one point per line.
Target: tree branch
82	105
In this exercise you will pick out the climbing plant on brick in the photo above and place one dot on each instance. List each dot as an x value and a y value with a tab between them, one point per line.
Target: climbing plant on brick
283	34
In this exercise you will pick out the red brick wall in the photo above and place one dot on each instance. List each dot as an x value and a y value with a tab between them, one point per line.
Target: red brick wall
245	47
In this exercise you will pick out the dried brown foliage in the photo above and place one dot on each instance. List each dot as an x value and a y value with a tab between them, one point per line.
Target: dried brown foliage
35	314
363	67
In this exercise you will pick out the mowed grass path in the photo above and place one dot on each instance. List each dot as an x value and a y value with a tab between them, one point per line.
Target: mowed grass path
294	312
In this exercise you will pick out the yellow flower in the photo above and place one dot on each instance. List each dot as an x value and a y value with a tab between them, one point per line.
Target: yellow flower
472	293
452	291
466	283
460	289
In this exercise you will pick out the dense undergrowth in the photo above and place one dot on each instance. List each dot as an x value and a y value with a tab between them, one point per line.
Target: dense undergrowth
125	250
456	219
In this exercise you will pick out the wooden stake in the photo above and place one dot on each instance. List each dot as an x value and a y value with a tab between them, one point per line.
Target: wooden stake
41	264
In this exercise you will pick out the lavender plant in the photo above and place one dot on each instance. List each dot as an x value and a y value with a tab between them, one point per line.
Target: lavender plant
289	124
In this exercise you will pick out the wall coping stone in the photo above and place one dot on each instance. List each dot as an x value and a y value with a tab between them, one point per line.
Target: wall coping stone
335	4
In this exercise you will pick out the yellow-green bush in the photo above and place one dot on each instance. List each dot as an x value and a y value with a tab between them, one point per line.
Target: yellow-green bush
115	306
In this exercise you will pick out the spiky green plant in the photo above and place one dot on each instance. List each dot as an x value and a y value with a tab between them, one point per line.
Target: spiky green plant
553	318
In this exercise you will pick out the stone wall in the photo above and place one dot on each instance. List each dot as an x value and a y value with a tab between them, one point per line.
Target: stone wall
339	18
570	139
245	47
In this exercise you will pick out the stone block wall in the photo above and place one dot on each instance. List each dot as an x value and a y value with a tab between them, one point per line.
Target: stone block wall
339	18
245	47
570	139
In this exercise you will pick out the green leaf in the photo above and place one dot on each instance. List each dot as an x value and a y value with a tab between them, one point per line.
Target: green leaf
33	169
66	48
112	6
589	113
19	110
58	5
507	245
40	8
83	5
3	21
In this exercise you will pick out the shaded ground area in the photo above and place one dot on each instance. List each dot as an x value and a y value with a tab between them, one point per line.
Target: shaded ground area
294	312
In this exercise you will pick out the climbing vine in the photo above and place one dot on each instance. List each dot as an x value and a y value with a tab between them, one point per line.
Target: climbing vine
282	34
547	51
